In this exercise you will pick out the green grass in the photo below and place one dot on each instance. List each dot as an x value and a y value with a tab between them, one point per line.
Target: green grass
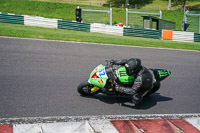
163	5
55	9
193	21
16	30
80	2
43	9
66	11
156	5
174	16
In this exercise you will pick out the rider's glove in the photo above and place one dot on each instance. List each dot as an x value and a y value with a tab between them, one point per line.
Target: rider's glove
112	61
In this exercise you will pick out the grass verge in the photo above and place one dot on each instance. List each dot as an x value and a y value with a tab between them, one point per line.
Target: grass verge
66	11
15	30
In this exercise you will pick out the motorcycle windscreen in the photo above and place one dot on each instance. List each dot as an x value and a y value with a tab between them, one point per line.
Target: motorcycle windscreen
161	74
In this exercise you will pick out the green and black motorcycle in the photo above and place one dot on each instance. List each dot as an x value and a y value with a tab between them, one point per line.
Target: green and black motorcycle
103	79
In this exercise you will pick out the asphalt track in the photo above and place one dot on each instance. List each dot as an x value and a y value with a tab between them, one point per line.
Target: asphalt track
38	78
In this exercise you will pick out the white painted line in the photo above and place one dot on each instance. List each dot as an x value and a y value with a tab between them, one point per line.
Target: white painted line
27	128
194	121
85	127
114	45
68	127
103	126
97	124
93	126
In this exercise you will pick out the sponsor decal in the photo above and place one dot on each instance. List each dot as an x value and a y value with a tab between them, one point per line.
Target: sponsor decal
122	73
163	73
100	82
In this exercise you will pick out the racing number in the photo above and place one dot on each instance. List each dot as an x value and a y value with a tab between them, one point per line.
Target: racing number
102	72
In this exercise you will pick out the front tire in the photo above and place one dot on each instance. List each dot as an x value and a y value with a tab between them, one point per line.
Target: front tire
85	89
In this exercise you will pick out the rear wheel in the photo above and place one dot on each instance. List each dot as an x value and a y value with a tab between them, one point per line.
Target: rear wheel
85	89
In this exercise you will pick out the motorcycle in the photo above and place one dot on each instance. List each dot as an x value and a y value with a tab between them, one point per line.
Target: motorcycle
104	78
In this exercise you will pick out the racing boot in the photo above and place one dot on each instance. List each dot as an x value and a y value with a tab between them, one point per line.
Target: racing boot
136	98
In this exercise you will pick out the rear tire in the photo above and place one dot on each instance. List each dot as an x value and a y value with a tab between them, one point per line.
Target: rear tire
85	89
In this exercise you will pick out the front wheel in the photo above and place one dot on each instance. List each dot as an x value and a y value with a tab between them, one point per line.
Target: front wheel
85	89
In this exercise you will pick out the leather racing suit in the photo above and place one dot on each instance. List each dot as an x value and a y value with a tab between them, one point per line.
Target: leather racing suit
143	82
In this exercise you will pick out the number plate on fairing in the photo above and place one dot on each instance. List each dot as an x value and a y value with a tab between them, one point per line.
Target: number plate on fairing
102	73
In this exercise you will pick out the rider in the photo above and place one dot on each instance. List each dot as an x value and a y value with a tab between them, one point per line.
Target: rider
143	79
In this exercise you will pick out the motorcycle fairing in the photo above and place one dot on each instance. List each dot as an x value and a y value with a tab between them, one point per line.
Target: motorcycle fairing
161	74
98	77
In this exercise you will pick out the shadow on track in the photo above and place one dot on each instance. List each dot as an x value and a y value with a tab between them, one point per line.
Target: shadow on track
148	102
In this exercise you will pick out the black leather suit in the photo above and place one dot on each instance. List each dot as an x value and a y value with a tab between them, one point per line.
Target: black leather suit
143	82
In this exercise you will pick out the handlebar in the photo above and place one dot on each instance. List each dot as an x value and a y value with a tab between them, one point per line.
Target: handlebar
117	62
112	62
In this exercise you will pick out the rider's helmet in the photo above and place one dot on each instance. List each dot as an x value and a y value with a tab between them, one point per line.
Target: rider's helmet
133	66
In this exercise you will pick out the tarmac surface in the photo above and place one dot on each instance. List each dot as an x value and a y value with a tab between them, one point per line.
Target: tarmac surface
39	78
